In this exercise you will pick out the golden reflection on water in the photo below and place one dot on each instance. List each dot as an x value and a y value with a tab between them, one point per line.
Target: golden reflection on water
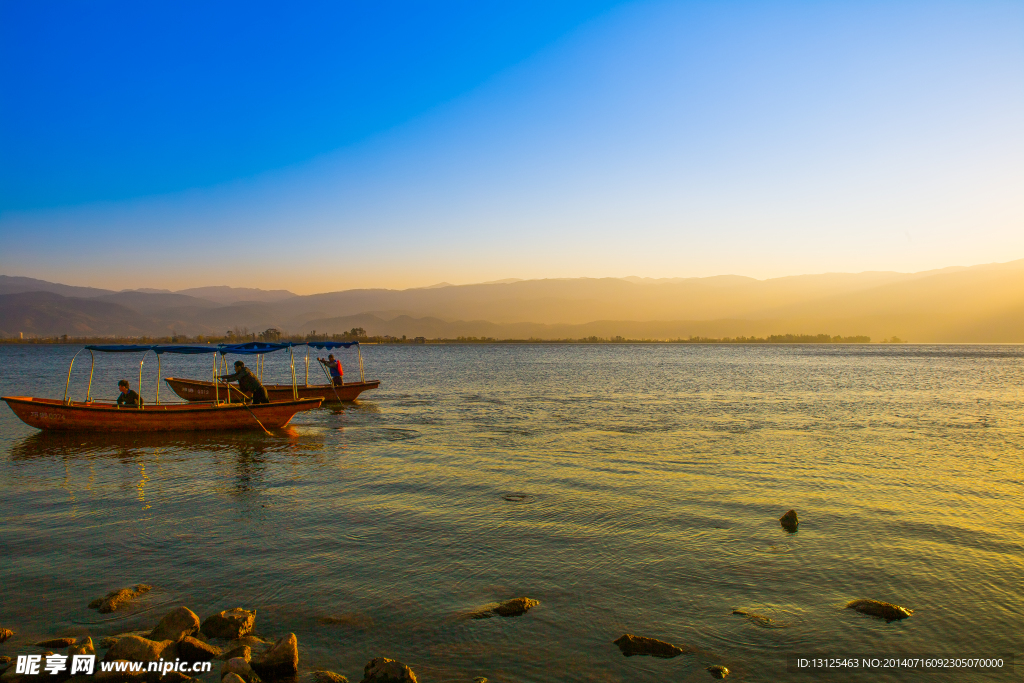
629	489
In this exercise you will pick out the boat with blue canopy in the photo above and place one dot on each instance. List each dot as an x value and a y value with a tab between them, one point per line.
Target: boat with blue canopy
219	412
201	390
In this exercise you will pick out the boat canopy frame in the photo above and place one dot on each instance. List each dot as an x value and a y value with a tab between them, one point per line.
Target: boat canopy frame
253	348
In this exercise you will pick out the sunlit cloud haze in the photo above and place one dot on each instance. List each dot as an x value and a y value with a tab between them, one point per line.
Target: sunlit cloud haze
650	139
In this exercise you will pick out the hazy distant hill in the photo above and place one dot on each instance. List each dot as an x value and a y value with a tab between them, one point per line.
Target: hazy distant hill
975	304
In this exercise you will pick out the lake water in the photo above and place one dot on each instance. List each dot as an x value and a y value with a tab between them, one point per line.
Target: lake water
652	480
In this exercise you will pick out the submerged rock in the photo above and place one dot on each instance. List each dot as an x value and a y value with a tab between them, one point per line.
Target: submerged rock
139	649
789	521
510	608
384	670
639	645
176	624
755	618
230	624
876	608
115	600
56	642
328	677
194	650
718	671
82	646
351	619
5	633
280	660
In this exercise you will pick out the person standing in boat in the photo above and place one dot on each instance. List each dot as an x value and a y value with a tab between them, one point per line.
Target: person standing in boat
334	366
127	398
248	383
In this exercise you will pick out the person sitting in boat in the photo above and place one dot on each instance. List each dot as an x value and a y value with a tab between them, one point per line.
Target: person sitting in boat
334	366
128	398
247	382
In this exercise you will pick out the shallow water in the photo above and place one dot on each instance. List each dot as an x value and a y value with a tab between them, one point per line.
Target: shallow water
628	488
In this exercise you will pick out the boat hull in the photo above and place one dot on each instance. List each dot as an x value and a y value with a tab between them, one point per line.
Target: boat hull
198	390
52	414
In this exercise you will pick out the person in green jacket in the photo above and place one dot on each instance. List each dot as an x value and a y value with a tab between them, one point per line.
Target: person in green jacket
247	382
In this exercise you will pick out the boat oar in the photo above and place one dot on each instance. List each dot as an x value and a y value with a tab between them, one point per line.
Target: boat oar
330	380
269	433
257	420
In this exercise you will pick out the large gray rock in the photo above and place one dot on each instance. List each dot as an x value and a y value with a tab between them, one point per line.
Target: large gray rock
194	650
384	670
139	649
82	646
640	645
876	608
280	660
176	624
230	624
115	600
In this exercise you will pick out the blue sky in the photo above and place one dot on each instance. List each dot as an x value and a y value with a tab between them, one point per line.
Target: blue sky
394	144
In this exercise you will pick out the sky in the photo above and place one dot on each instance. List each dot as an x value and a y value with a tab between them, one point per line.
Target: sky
327	146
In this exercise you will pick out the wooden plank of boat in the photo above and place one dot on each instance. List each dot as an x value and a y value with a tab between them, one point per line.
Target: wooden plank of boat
198	390
46	413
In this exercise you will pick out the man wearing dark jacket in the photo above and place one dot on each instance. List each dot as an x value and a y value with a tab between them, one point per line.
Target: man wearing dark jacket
248	383
127	398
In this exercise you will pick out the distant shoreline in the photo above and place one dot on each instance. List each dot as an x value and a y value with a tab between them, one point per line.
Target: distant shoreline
822	339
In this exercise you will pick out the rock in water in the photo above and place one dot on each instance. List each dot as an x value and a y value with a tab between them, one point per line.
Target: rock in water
384	670
328	677
230	624
243	651
176	625
718	671
193	650
755	618
639	645
138	649
510	608
231	678
789	521
115	600
280	660
515	607
82	646
240	668
56	642
5	633
885	610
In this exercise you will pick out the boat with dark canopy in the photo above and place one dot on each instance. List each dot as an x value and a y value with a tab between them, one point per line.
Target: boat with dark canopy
201	390
217	413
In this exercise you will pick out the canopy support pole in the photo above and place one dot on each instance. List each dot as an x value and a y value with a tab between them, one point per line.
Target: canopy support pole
158	373
307	366
359	350
295	388
216	384
141	361
88	392
68	382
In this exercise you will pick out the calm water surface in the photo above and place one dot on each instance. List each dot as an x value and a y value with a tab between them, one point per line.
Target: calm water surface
653	479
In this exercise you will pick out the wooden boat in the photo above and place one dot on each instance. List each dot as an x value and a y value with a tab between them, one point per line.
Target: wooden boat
47	413
199	390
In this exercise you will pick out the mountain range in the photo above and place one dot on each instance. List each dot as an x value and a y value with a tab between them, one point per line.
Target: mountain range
964	304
